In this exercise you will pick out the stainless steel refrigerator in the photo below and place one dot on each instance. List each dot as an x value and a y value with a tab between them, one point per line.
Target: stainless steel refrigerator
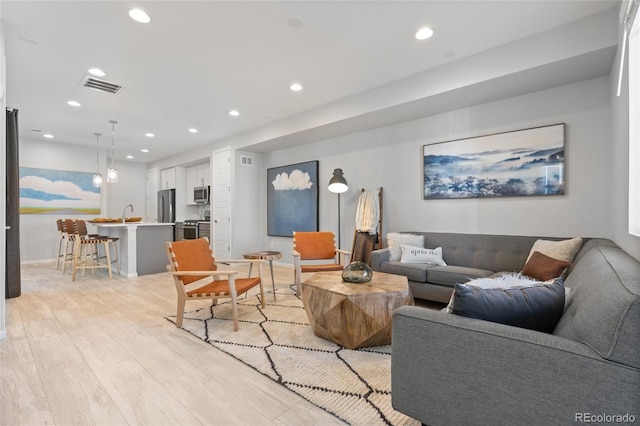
167	206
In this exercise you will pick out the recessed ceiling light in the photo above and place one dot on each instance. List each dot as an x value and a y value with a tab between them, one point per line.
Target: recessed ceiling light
97	72
150	135
144	150
424	33
192	130
73	103
130	157
295	21
139	15
234	113
296	87
48	135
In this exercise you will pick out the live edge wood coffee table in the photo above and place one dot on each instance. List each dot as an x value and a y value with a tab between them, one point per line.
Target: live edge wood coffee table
354	315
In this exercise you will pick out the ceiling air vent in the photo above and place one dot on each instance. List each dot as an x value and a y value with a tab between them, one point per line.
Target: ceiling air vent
245	160
101	85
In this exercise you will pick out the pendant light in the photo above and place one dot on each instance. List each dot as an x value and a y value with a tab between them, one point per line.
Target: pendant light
112	172
97	177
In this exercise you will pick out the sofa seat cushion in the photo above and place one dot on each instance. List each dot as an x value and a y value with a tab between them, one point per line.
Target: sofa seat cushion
413	271
450	275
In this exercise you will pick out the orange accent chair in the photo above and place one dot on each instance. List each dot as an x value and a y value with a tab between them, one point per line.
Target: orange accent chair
197	277
315	246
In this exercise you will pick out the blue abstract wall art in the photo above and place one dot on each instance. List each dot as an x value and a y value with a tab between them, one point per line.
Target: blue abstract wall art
519	163
292	199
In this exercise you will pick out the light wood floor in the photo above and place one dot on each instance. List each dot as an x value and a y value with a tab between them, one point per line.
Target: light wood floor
99	351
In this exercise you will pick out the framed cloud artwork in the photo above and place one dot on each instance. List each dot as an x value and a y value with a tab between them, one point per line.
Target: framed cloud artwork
61	192
292	199
518	163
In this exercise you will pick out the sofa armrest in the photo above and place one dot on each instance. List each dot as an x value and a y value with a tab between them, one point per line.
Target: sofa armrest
379	256
448	369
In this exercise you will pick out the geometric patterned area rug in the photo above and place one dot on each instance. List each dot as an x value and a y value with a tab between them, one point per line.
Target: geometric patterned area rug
277	341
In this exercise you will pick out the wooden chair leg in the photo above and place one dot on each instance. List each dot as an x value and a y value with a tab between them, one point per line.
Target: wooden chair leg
234	305
297	279
180	313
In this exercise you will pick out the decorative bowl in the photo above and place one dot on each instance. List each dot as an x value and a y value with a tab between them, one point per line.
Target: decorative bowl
357	272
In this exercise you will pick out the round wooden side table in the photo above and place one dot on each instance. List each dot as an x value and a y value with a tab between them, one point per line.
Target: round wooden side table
265	255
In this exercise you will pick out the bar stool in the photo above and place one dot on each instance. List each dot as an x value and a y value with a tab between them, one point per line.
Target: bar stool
68	229
86	251
64	240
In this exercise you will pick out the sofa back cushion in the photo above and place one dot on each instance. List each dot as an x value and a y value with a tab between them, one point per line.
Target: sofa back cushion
490	252
604	311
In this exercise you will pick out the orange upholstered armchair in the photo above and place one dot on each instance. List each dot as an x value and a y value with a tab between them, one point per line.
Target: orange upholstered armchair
315	247
196	276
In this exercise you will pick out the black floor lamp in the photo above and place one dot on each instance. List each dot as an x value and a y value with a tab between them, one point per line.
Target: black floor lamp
338	185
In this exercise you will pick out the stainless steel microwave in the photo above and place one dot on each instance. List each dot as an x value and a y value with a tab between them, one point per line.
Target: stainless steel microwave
201	194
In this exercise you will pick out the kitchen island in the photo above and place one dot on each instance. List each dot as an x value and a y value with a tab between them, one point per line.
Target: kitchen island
142	249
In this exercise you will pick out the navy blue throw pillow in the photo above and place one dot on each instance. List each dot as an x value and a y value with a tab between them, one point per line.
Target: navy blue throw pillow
538	307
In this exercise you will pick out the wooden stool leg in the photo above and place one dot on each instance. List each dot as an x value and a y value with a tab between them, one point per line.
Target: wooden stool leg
108	257
115	249
76	255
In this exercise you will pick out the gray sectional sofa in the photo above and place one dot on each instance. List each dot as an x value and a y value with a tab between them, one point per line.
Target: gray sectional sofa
468	256
449	369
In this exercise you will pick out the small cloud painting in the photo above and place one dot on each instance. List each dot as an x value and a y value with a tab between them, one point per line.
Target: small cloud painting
518	163
46	191
292	199
295	180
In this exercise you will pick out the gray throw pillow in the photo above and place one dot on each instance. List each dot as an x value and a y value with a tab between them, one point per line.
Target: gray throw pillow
538	307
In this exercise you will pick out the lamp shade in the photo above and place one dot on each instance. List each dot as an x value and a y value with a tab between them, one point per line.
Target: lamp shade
112	175
97	180
338	183
112	172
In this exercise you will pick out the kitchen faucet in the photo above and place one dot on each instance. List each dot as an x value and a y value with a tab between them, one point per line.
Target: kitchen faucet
124	210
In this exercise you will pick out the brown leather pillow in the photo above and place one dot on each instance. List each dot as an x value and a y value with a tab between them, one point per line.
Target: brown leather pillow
543	268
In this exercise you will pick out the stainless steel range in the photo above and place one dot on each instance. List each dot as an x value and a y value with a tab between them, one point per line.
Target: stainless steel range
190	228
204	229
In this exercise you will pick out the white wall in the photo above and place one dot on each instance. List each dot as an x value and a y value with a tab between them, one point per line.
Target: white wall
247	232
130	189
391	157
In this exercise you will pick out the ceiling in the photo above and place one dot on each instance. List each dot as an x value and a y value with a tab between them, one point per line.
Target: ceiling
196	61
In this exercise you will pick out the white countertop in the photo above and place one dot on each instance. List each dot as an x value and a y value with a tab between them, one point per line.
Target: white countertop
120	224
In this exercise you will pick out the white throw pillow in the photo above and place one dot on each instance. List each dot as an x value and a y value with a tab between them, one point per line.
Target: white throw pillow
411	254
394	239
562	250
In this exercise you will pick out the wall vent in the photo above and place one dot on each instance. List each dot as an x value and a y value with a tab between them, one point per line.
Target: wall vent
101	85
245	160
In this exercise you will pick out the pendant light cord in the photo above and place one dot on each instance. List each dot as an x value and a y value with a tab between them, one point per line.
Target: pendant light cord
113	137
97	152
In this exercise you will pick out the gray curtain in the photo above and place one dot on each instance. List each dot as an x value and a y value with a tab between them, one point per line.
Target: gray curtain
12	269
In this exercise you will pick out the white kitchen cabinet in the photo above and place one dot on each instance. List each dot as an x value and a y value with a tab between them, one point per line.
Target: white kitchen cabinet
191	179
198	175
169	178
203	176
